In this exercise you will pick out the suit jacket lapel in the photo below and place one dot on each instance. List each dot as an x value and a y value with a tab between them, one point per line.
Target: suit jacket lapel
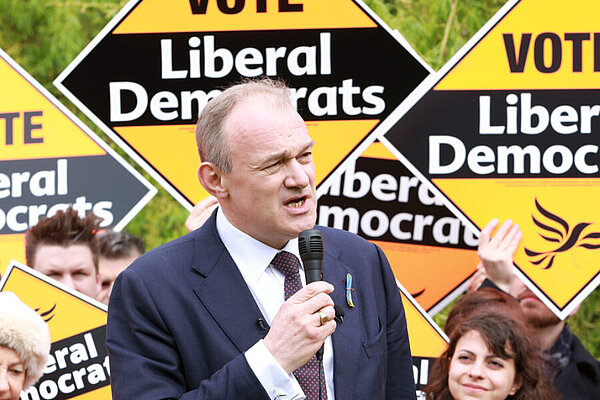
346	341
226	296
223	291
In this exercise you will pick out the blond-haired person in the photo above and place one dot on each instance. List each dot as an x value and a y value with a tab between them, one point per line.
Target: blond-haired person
24	346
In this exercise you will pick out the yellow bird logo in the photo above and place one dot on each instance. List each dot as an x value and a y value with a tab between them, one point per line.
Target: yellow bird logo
557	230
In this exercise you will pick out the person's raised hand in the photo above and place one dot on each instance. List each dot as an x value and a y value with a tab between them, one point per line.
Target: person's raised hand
200	213
297	331
496	253
477	279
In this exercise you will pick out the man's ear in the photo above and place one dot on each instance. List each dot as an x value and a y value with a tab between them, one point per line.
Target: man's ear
211	179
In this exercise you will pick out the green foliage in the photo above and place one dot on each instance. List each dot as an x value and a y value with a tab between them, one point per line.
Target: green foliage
162	220
44	36
585	323
437	29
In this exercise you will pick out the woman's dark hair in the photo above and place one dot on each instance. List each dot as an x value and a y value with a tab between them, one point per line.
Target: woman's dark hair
486	298
507	338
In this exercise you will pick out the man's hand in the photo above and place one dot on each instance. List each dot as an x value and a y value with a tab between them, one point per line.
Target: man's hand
200	213
496	253
296	332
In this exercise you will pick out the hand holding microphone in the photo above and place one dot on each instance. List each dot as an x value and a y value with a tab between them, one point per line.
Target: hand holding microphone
310	246
305	320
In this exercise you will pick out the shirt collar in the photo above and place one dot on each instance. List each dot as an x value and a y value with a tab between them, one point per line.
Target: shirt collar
250	255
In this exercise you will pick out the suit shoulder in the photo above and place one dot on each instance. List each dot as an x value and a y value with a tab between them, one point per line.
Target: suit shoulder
340	242
171	254
342	237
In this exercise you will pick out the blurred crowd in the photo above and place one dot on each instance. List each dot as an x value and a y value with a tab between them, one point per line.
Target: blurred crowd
504	342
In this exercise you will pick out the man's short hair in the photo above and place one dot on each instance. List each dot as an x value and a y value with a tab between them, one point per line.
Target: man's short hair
210	126
119	244
65	228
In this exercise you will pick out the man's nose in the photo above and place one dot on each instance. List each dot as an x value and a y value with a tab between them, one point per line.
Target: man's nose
67	280
297	175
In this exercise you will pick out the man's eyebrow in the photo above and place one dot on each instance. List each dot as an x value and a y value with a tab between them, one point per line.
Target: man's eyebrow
273	157
284	154
308	145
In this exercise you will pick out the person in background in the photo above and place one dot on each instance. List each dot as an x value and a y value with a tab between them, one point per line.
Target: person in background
64	247
24	346
576	374
486	298
117	251
490	356
200	213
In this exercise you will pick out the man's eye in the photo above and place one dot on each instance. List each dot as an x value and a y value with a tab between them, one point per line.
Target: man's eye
273	166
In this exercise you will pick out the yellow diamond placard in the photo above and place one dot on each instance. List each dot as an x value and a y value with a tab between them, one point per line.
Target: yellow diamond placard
78	363
156	65
378	198
49	159
510	128
187	16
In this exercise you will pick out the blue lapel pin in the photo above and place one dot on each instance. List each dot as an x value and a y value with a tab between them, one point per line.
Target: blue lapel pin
349	290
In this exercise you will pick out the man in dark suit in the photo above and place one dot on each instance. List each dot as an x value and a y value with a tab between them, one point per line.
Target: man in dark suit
216	315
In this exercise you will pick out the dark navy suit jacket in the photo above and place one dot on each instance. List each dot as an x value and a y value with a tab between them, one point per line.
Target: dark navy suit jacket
181	317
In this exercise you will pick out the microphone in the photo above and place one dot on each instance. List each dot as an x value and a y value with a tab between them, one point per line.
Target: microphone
312	258
310	246
262	325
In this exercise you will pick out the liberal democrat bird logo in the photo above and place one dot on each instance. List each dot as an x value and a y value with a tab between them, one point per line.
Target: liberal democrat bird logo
557	230
47	315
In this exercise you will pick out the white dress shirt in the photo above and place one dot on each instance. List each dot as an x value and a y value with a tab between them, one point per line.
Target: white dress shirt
253	259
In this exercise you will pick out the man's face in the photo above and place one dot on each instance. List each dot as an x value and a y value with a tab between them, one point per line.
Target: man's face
109	269
271	189
71	265
536	312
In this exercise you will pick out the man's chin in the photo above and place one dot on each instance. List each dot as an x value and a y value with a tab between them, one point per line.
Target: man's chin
539	316
304	222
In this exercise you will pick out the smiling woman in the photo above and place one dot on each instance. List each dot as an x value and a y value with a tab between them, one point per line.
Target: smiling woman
490	356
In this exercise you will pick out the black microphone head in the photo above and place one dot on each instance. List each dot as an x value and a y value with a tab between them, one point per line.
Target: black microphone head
310	245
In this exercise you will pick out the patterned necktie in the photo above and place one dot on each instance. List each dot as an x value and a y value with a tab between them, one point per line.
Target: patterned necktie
311	375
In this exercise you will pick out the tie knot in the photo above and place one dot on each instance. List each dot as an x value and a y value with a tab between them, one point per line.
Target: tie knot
286	262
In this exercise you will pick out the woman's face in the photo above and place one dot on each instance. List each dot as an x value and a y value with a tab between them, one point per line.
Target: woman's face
12	374
476	373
